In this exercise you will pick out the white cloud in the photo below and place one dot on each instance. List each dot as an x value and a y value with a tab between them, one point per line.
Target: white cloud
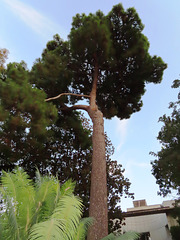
122	126
32	18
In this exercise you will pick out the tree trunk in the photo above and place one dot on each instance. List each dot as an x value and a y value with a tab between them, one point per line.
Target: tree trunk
98	193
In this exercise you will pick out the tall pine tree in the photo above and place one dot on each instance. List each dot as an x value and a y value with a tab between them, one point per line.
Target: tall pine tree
105	60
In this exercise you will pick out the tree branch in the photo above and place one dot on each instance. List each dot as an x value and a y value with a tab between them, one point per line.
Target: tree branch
76	107
65	94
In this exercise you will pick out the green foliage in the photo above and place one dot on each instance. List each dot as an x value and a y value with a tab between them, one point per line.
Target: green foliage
84	224
28	134
94	30
43	211
125	236
167	164
40	211
24	116
175	232
64	148
175	213
116	44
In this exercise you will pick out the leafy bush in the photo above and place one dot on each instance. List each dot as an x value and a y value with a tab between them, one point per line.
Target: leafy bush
175	232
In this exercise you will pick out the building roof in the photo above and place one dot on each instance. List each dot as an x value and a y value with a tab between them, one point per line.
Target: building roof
144	209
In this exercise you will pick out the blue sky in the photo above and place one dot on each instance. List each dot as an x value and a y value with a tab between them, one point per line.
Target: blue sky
27	25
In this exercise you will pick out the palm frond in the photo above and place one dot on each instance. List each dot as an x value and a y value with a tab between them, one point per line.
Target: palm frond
25	199
18	195
47	194
38	179
8	182
18	186
42	211
64	222
49	230
111	236
82	229
13	228
57	195
126	236
67	187
3	225
70	209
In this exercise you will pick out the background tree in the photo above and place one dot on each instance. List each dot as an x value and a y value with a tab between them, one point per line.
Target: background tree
28	134
24	117
175	230
166	166
105	60
61	146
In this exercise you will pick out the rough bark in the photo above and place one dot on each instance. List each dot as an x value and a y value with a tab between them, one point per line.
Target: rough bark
98	193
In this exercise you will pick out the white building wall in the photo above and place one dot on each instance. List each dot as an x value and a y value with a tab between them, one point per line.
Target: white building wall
155	224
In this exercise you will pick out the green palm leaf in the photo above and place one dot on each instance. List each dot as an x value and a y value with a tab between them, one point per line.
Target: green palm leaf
47	194
67	187
129	236
38	179
111	236
126	236
9	185
25	200
70	209
18	194
63	223
42	211
52	229
82	229
11	223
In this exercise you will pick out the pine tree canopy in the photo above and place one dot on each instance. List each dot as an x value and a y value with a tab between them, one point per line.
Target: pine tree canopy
115	44
24	116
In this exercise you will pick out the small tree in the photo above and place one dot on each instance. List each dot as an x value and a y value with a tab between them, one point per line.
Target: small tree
105	60
166	166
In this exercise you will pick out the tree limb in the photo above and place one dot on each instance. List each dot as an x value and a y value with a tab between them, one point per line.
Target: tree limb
65	94
76	107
